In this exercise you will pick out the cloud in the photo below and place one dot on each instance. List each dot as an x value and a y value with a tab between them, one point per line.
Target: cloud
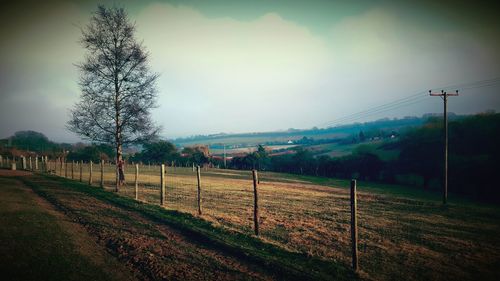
228	68
38	80
262	73
384	55
221	74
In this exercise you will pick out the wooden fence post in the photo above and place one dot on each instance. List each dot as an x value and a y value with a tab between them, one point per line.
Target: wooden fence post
36	163
354	226
255	203
90	172
136	181
60	167
73	169
30	164
162	185
102	173
199	188
65	168
81	168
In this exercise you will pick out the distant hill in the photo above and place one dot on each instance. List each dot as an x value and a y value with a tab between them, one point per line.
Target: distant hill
283	137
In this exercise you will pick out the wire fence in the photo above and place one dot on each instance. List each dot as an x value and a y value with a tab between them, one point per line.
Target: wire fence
313	219
291	214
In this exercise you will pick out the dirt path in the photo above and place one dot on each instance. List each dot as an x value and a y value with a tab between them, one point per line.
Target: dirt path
39	243
152	251
15	173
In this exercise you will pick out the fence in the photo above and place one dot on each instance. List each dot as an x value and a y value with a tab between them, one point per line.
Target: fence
280	210
402	234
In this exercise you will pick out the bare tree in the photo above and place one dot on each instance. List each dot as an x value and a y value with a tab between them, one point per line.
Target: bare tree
118	88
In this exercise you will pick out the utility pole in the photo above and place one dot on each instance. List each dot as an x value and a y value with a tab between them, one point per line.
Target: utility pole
444	96
224	156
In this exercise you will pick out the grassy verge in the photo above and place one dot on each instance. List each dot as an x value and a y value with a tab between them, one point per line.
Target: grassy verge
404	233
288	265
34	246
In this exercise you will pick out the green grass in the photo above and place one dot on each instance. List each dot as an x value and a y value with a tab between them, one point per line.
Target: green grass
289	265
33	245
405	233
339	150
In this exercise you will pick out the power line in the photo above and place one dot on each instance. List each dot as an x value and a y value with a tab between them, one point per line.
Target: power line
356	118
461	86
387	107
408	100
398	101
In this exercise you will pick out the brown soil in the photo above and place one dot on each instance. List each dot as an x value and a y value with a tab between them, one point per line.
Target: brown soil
151	250
86	245
16	173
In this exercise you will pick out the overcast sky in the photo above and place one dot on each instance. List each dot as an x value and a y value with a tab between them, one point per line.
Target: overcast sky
245	66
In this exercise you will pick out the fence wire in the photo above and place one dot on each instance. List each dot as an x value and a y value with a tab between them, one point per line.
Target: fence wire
293	213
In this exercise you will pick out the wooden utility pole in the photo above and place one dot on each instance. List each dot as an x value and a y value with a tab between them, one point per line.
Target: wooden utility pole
225	156
354	226
198	176
162	185
255	203
445	96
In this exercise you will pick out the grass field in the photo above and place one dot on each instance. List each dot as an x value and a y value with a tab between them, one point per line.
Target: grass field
258	138
249	149
36	244
404	233
339	150
153	242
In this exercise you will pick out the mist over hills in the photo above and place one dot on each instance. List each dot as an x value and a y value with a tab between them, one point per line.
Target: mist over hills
337	132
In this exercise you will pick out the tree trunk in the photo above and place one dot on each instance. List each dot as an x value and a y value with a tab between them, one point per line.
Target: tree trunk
119	167
118	131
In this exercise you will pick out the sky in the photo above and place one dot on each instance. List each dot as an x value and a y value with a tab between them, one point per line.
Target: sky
252	66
